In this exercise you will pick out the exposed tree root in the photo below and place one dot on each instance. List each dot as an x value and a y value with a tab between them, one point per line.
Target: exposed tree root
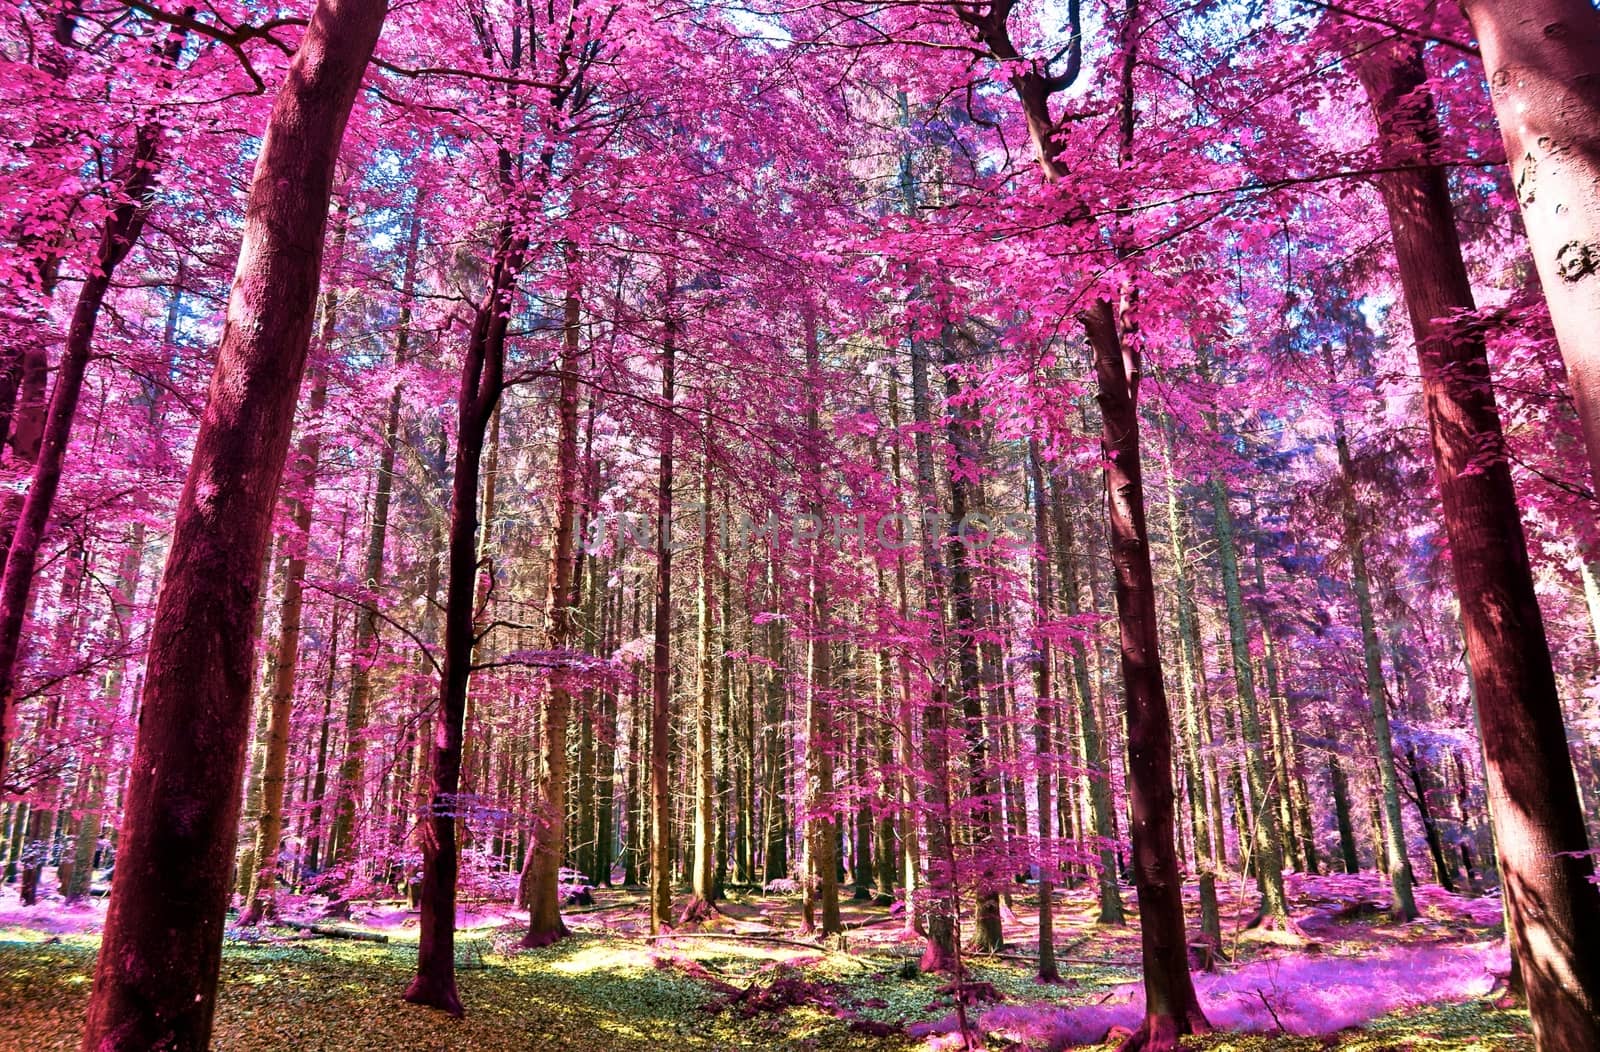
534	940
430	994
1160	1033
697	911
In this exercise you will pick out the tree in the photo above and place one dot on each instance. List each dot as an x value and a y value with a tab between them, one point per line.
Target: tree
156	976
1540	58
1553	907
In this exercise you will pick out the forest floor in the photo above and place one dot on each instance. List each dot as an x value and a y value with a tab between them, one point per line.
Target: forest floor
749	980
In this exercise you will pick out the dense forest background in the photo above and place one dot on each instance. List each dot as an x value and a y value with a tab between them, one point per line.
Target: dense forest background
947	456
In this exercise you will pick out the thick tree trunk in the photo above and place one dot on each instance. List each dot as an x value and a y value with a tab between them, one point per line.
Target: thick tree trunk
1554	909
156	975
1541	57
1171	1008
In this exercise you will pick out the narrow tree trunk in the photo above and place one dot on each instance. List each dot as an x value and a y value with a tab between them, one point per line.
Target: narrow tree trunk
545	925
775	745
1171	1007
1339	785
702	891
156	975
260	897
1266	838
1554	909
966	464
352	768
942	918
908	831
1191	664
1404	906
822	819
1098	771
661	660
482	373
1044	716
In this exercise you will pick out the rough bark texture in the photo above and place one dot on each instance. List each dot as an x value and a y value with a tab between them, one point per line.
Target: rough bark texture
822	817
1553	909
1044	716
703	882
156	976
943	952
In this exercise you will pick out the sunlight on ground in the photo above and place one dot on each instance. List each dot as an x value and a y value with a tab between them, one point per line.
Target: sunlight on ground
608	989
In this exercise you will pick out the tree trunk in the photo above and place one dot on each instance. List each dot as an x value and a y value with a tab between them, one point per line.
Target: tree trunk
545	925
1097	769
260	898
1171	1008
661	658
1045	762
482	373
822	818
1266	839
703	890
965	465
1554	909
1404	906
1540	57
364	646
156	975
942	917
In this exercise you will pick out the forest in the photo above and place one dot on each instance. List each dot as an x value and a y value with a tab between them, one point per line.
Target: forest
799	524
